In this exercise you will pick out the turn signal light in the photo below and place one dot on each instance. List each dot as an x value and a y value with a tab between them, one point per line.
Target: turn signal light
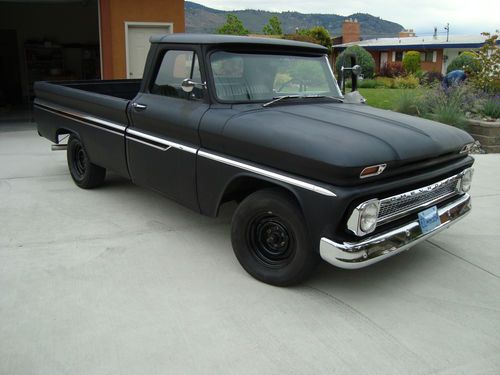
373	170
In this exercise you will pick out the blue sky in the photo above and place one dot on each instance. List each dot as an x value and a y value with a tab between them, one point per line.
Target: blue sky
465	17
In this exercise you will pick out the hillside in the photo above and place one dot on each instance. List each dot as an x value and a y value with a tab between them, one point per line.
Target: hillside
201	19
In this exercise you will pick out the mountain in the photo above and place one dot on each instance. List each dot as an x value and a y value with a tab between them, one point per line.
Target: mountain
201	19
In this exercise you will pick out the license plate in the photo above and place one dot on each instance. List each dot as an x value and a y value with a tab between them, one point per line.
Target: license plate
429	219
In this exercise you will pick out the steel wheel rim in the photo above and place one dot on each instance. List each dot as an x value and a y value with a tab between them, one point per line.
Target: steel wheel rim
80	160
271	240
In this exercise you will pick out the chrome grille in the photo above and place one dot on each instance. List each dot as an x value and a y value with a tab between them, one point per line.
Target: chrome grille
400	205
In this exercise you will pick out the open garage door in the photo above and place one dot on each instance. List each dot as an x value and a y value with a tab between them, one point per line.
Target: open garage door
45	40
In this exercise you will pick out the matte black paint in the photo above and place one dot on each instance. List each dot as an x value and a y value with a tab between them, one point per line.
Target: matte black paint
321	142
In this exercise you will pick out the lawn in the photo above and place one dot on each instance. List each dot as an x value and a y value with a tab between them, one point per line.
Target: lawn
382	97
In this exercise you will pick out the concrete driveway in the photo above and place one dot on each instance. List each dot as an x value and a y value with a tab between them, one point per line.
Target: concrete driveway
119	280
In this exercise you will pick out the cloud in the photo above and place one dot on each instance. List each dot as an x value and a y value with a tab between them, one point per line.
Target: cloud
464	17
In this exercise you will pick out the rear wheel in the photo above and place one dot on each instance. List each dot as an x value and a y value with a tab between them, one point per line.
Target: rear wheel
270	239
85	174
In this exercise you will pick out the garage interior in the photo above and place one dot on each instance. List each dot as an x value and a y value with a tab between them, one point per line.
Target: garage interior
44	40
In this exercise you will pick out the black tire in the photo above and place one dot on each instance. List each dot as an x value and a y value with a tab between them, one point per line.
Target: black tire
85	174
270	239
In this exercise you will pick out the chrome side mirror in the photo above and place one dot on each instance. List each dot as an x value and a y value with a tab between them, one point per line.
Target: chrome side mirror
357	69
188	85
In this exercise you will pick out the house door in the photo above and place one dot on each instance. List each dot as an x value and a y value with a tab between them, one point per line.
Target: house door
138	35
383	59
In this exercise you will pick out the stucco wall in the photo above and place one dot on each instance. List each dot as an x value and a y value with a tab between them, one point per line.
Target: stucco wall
114	14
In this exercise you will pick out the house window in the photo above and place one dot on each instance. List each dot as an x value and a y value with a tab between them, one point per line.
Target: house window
429	56
399	56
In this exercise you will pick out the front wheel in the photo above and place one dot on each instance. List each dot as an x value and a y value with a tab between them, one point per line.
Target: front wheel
85	174
270	239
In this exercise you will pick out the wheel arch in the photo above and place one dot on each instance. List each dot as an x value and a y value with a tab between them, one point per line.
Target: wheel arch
64	131
243	184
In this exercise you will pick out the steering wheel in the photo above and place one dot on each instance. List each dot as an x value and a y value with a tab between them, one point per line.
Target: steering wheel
302	84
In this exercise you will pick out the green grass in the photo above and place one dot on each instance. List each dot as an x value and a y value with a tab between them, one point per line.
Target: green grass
382	97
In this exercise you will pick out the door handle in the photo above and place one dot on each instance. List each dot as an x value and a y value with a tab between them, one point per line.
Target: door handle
139	107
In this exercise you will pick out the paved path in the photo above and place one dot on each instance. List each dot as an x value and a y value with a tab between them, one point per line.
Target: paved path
119	280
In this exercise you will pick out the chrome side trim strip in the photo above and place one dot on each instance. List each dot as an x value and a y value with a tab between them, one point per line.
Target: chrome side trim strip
80	121
166	148
43	103
267	173
161	141
136	136
354	255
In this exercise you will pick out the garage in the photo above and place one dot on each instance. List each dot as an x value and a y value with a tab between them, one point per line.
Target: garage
59	40
45	40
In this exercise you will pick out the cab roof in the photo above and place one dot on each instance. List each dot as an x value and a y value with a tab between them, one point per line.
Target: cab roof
216	39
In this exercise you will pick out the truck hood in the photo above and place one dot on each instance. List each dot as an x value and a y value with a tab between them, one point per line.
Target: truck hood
317	140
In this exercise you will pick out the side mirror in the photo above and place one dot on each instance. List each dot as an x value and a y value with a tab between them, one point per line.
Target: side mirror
188	85
357	69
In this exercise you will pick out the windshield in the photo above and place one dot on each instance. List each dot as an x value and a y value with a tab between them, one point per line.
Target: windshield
247	77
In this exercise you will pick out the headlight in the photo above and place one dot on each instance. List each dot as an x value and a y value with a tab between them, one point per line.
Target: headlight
363	219
368	217
466	181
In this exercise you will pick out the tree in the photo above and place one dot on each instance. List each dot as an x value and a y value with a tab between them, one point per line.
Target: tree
411	62
233	26
321	35
488	76
273	27
318	33
363	58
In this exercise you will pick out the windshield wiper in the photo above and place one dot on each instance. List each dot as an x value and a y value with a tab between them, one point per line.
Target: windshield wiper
279	98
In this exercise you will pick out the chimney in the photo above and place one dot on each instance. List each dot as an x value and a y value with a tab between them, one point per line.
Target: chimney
351	31
407	33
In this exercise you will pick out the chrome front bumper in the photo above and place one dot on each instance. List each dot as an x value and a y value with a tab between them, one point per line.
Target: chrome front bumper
360	254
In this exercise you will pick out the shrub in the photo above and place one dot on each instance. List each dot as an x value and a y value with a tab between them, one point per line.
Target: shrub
411	62
409	102
428	78
300	38
368	84
449	114
491	107
466	61
365	84
408	82
363	58
392	69
449	105
389	83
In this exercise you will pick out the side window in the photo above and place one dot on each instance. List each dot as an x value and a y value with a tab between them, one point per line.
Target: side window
175	67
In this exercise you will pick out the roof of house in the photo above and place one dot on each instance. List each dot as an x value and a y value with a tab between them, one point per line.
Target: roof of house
183	38
422	42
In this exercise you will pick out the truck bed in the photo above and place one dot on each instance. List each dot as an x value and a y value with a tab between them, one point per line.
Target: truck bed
121	88
62	107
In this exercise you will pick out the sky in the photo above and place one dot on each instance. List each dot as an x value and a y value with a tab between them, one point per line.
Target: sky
465	17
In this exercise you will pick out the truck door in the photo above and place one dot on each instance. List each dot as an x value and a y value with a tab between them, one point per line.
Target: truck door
162	139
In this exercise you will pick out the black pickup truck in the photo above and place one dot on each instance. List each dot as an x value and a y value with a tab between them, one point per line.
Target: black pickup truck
262	122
